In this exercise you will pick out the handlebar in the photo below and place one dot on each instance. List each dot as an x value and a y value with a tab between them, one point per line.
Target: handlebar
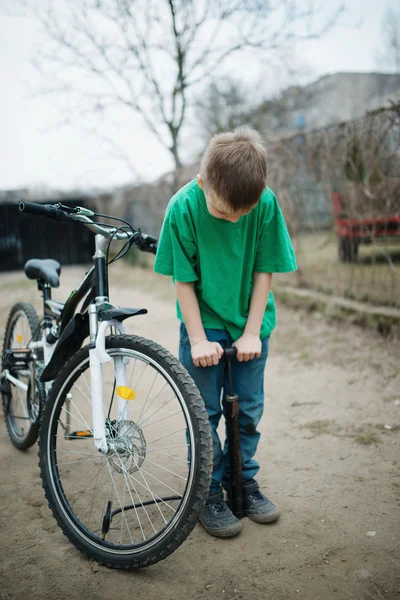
230	353
51	211
58	212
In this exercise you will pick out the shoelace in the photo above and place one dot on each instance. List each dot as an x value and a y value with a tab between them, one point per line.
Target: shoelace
219	507
257	496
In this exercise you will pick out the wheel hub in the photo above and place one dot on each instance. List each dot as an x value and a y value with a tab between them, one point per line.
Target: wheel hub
127	446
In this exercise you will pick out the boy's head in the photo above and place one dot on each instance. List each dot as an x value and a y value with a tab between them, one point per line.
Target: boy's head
233	173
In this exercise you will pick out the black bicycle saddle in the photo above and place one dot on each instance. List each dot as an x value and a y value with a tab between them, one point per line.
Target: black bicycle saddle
46	269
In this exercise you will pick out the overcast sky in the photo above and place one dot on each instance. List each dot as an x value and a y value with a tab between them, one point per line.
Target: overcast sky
33	152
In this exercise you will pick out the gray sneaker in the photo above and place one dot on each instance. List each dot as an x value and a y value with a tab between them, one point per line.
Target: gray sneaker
257	506
217	518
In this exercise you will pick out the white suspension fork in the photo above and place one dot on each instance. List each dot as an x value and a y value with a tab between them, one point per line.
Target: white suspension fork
98	356
120	377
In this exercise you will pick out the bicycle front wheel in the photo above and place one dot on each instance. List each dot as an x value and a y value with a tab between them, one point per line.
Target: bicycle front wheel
136	504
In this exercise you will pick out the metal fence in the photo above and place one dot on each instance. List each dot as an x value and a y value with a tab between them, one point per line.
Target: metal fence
358	164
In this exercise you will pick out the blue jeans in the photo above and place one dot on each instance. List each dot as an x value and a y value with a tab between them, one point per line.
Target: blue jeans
248	384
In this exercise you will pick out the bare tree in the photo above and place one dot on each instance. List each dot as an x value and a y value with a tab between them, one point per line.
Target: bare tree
223	105
390	55
149	55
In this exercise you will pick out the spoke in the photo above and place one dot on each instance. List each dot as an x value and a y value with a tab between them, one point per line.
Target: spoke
151	492
167	447
120	505
154	495
148	488
84	424
170	456
154	399
83	394
147	397
159	481
135	508
137	383
76	452
74	469
133	370
105	502
77	410
90	503
86	383
72	462
168	435
122	521
80	479
165	469
156	411
178	412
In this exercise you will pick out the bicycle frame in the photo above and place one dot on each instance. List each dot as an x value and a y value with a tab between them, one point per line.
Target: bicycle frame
65	329
95	287
58	316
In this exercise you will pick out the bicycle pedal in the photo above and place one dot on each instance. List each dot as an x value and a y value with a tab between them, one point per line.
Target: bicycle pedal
17	359
79	434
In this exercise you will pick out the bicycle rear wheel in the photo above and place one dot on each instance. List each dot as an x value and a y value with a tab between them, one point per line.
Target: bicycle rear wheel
21	407
136	504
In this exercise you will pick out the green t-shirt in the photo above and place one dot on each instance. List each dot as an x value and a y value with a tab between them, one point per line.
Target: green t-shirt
221	256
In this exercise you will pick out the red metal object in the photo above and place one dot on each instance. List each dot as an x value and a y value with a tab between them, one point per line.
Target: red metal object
363	228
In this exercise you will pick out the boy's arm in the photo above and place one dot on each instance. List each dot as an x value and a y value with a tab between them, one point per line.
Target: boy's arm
204	353
249	344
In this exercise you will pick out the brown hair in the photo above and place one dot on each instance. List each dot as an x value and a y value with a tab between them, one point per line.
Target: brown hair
234	167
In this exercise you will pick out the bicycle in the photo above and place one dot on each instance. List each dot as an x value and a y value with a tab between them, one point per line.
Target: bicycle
125	450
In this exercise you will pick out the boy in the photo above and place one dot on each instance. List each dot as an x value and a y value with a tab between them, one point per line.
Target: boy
222	238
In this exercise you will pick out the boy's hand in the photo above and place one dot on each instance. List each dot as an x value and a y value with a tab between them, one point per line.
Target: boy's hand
206	354
248	347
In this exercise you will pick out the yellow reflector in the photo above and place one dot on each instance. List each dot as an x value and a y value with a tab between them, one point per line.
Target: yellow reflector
83	433
125	392
19	338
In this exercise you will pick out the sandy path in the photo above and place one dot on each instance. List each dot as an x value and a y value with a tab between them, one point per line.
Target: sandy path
329	387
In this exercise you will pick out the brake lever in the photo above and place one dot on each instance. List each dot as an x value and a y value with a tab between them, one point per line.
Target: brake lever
69	209
146	243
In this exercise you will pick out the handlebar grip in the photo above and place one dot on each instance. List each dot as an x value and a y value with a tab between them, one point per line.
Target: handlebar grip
149	239
50	211
33	208
145	242
230	353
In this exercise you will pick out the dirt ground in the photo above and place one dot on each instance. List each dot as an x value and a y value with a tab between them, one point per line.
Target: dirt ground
330	456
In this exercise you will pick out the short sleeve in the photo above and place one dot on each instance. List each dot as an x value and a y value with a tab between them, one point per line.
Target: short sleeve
176	253
275	252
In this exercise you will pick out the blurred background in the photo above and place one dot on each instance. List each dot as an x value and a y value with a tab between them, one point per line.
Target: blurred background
113	102
109	104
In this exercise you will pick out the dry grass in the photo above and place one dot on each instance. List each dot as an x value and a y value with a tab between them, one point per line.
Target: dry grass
366	439
374	278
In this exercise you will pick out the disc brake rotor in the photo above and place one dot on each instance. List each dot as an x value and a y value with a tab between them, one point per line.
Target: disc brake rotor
127	446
